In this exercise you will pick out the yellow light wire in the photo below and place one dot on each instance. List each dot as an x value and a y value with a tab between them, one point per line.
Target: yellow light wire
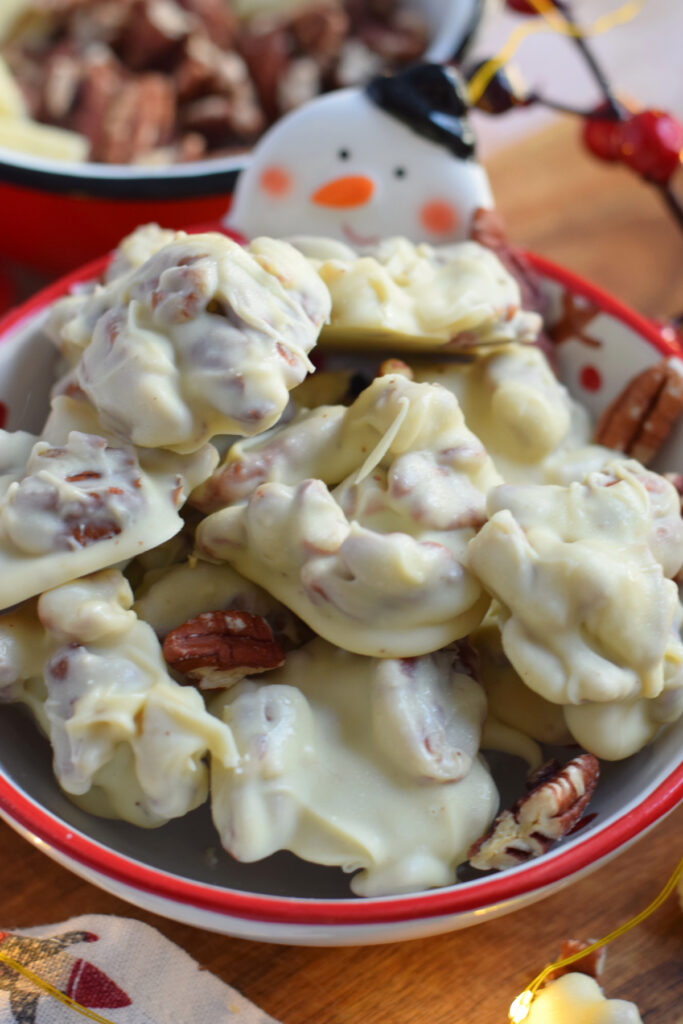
553	19
519	1010
45	986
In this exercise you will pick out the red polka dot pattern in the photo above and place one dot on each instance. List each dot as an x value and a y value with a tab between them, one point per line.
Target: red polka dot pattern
590	378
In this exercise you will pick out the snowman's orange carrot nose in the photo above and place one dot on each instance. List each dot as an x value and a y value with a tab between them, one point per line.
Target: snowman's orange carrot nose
352	190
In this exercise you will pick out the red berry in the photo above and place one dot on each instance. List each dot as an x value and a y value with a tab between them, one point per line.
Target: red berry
602	137
521	6
651	143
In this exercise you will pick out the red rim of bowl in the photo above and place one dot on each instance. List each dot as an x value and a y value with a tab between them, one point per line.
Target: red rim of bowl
484	892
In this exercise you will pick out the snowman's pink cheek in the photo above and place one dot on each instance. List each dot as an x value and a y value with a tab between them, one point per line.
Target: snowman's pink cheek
439	217
276	181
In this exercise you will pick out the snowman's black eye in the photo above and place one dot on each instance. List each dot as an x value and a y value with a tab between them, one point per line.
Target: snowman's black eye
400	172
344	154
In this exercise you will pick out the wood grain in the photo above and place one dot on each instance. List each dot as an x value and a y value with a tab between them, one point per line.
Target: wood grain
607	226
598	219
467	977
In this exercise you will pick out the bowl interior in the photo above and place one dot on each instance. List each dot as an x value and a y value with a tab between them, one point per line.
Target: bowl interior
619	344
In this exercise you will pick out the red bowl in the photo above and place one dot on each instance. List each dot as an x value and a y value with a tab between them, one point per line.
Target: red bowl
56	216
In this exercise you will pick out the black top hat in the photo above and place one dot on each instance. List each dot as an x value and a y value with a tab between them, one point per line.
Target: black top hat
431	99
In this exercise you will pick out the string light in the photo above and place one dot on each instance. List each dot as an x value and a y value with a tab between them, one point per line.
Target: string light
520	1007
46	987
552	18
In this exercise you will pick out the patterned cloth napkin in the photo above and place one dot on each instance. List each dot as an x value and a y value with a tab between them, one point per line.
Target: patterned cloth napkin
120	969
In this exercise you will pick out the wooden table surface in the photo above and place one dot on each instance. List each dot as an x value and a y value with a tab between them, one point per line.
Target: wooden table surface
602	223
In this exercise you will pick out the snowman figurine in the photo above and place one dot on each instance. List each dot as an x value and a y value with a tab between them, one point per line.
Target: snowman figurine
394	158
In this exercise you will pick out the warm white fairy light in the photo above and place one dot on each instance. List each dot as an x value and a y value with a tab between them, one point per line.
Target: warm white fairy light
521	1006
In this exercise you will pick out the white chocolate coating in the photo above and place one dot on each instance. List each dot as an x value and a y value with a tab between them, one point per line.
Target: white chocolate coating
515	404
509	700
403	738
403	296
204	337
578	999
390	421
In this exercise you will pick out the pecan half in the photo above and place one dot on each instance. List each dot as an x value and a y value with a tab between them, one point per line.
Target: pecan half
153	34
641	417
592	964
217	649
545	814
140	117
321	31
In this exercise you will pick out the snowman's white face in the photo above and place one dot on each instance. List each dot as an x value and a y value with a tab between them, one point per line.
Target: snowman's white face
343	168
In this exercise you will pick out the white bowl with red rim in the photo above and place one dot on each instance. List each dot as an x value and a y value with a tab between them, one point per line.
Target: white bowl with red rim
180	871
80	209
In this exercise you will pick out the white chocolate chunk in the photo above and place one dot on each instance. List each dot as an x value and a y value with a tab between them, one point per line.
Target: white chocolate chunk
400	295
578	999
401	735
204	337
22	651
509	700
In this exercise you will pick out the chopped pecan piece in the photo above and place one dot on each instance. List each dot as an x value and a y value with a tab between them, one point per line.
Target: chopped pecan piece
219	119
140	117
641	417
216	18
395	366
268	55
217	649
320	31
299	84
400	41
592	964
545	814
206	70
102	80
153	34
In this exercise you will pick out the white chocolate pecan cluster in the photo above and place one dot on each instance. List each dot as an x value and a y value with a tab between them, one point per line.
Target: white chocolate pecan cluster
94	674
360	596
374	564
589	613
204	337
347	760
399	295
